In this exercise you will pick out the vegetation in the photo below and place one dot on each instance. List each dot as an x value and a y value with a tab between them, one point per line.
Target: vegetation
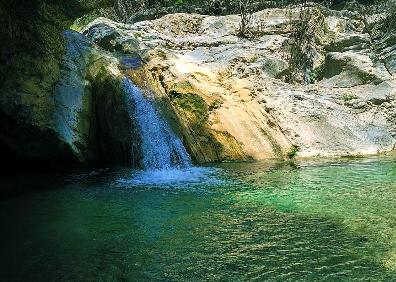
293	152
245	12
123	10
32	41
303	35
32	31
194	113
349	97
194	105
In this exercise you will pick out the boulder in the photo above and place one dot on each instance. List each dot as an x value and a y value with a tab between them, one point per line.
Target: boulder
224	94
231	103
74	124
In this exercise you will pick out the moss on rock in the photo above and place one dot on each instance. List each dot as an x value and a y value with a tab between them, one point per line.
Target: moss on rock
206	145
31	53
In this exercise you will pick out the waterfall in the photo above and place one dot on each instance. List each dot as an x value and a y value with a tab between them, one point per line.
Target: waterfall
161	149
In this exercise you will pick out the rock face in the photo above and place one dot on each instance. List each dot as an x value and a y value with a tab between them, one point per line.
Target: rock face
31	54
84	120
228	97
224	95
90	114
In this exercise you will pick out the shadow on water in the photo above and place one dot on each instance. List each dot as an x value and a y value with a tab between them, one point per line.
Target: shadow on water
307	221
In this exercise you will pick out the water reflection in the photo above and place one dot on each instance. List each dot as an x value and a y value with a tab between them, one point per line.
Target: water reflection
308	221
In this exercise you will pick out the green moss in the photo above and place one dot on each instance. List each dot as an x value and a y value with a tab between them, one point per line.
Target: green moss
215	105
193	104
33	31
196	113
318	73
161	54
80	23
101	78
32	49
254	58
99	75
293	152
183	86
137	35
349	97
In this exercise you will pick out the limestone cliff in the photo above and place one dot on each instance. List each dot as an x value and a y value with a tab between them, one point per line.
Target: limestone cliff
229	96
226	96
32	51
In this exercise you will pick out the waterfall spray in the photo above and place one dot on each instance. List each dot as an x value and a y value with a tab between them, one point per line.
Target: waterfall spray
160	147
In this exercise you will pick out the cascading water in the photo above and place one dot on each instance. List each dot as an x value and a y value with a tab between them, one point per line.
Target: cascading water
161	149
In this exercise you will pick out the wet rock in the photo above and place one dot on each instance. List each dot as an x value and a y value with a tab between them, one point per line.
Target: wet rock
259	115
224	94
84	120
71	113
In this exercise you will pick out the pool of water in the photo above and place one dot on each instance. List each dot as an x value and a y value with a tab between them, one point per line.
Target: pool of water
303	221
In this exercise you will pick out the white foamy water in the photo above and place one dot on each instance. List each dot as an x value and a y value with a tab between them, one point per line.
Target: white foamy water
160	147
172	177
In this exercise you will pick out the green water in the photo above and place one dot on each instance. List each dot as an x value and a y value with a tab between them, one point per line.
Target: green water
308	221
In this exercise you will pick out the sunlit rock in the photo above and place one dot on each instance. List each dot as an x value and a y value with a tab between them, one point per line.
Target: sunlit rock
232	103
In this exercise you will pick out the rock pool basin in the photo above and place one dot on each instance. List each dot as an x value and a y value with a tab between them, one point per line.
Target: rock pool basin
300	221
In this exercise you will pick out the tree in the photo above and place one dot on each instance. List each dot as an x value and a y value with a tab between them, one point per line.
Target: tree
245	13
303	33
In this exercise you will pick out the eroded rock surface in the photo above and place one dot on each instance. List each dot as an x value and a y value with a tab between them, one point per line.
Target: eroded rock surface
225	95
228	96
84	120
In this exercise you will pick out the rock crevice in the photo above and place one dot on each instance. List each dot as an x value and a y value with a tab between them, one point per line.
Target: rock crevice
225	96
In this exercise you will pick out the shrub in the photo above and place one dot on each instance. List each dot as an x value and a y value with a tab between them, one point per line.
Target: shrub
303	35
349	97
245	13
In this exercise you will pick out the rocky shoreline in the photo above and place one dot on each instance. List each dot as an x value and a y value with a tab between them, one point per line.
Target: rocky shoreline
224	95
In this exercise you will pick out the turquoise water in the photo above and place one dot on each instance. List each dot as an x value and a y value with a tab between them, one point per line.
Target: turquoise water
303	221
